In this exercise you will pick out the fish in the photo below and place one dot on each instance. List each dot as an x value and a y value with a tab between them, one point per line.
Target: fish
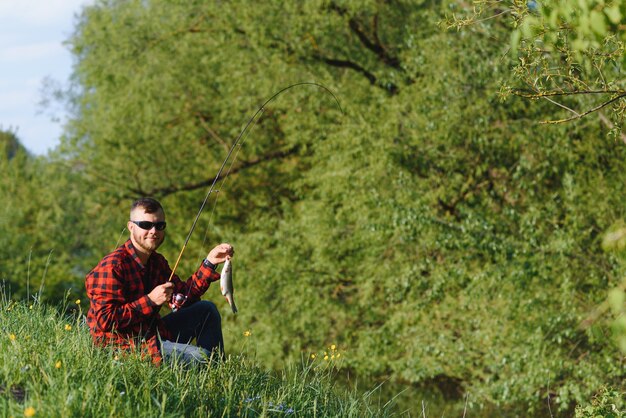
226	284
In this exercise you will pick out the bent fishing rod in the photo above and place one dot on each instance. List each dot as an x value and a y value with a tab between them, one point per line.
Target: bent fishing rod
230	151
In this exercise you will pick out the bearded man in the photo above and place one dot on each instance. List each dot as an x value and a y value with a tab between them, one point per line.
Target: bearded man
129	286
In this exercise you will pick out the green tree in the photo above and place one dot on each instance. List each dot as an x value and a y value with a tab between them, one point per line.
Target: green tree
40	237
11	144
570	54
436	235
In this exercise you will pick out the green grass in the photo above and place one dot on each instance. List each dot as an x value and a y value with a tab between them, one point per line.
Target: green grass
49	367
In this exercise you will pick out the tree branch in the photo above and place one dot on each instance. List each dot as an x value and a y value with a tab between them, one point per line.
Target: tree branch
539	95
349	64
165	191
619	94
578	116
211	132
194	28
377	47
390	87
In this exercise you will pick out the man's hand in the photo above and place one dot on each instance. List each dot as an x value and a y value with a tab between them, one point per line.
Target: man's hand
220	253
162	293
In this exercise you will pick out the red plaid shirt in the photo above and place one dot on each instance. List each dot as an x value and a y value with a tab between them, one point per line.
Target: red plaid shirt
120	311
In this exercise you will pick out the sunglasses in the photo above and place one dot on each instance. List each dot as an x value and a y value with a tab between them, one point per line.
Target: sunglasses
147	225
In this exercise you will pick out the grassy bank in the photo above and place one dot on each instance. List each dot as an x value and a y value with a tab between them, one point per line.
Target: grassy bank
49	367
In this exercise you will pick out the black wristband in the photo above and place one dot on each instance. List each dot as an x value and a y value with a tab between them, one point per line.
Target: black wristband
207	263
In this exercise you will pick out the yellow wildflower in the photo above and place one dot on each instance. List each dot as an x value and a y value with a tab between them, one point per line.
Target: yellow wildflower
12	337
30	307
333	346
77	301
313	356
58	364
247	333
29	412
326	357
332	357
338	355
68	327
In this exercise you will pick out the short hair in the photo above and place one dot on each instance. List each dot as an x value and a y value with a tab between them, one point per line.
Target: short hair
148	204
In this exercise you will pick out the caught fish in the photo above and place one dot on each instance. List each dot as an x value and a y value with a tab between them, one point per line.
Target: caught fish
226	284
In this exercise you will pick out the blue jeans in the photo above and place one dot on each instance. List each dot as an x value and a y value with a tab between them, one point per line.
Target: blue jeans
201	321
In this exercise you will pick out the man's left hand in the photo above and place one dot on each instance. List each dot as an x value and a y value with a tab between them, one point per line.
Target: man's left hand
220	253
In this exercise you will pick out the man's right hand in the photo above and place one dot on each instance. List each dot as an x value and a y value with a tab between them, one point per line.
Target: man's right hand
162	293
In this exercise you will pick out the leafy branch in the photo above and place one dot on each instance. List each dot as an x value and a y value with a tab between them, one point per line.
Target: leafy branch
559	49
618	94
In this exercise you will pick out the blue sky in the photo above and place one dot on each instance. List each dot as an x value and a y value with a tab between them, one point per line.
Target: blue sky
31	50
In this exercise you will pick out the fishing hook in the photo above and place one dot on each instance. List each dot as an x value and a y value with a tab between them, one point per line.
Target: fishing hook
230	151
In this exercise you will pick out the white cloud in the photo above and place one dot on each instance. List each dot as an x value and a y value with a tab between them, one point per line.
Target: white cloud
37	133
31	49
30	52
38	12
12	99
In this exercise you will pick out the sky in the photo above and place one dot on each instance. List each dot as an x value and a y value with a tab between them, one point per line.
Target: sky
32	33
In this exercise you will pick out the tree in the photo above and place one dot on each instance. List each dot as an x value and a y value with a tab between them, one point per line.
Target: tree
40	218
433	233
570	54
11	144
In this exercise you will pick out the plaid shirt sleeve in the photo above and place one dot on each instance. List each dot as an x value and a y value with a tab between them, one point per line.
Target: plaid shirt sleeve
111	308
195	286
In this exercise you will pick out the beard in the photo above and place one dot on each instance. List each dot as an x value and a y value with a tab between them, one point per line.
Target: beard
149	243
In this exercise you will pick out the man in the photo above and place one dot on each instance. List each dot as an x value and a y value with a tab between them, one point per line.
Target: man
128	287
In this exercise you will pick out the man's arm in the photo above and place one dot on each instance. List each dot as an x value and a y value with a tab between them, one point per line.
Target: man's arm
195	286
199	282
111	309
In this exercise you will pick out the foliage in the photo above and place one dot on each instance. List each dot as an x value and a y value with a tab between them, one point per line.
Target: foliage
606	404
10	144
436	235
50	367
568	53
39	219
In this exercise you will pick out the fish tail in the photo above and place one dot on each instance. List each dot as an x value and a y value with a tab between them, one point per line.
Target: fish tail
231	301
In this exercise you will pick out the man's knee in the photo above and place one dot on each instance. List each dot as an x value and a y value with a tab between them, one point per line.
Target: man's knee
209	309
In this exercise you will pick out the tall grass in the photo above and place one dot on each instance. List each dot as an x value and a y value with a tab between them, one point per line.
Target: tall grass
49	367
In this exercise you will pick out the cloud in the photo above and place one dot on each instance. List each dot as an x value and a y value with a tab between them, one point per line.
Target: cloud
40	12
31	52
12	99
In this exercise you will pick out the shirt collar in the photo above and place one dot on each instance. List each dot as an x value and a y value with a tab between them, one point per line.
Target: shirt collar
130	248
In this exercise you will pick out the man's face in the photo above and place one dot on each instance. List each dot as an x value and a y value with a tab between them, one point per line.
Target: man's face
146	241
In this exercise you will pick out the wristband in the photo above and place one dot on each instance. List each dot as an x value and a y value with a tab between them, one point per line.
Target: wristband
207	263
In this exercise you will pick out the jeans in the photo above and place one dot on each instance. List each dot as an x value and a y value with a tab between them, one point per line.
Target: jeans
201	321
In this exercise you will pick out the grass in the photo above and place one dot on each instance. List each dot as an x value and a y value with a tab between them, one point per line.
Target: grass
49	367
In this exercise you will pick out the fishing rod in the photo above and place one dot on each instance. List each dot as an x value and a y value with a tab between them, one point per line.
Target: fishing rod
230	151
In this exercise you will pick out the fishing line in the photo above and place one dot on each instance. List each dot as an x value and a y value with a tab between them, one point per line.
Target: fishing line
117	244
223	183
221	187
230	151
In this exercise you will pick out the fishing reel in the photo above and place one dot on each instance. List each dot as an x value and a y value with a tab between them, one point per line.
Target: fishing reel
178	300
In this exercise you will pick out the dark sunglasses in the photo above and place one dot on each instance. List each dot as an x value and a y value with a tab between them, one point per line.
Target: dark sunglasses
147	225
